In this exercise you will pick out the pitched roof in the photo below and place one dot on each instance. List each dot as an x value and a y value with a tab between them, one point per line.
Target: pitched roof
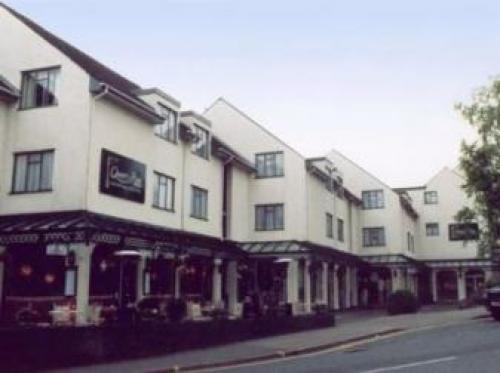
8	91
93	67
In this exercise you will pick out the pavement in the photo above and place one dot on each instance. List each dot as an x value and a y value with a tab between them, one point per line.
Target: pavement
352	327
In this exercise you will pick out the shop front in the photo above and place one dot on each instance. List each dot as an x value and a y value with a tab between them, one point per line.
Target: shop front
296	277
389	273
460	280
79	267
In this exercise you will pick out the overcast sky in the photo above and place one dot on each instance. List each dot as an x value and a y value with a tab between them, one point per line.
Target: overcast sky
377	80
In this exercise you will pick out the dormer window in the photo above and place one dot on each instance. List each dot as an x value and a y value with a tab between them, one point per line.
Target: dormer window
38	88
168	129
200	144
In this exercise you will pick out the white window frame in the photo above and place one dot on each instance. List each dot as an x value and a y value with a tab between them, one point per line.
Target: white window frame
432	229
270	217
201	145
168	130
270	164
33	172
373	199
370	239
431	197
39	82
164	192
199	203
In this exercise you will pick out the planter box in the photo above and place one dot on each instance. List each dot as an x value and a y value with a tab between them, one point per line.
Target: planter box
50	347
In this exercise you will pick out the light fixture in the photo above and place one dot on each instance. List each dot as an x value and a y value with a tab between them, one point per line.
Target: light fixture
26	270
127	253
49	278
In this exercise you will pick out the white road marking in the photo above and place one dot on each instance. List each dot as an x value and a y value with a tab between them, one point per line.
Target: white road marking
412	365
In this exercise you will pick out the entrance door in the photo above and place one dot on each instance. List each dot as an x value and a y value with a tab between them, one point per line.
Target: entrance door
128	281
447	286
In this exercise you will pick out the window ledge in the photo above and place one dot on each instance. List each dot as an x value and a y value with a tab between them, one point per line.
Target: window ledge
198	217
207	158
37	107
173	142
163	208
269	177
270	230
31	192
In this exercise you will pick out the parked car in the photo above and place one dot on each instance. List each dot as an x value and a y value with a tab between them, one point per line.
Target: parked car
493	301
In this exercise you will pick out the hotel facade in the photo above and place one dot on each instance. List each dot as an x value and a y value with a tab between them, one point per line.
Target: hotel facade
111	193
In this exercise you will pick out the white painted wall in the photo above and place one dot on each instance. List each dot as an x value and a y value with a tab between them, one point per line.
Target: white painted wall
206	174
240	216
44	128
122	132
451	198
357	180
248	138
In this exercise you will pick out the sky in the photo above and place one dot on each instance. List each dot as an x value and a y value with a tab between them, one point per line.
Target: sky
376	80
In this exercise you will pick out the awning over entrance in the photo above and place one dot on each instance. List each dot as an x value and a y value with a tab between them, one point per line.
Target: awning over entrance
84	226
459	263
280	248
392	260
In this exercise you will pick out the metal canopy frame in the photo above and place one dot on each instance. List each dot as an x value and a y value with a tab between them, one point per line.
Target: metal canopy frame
80	226
298	248
393	260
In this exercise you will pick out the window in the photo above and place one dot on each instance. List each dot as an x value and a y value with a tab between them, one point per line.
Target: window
329	225
199	203
269	164
463	231
340	230
33	172
38	88
411	242
373	199
432	229
269	217
373	236
168	129
431	198
200	145
164	190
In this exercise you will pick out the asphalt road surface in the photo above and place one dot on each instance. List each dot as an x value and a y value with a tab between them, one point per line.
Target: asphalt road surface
471	347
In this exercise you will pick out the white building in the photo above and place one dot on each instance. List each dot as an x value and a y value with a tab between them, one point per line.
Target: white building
212	207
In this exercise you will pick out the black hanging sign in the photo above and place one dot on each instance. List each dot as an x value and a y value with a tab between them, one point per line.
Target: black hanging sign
122	177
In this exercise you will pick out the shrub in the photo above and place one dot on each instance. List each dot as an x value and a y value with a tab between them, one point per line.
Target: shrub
402	301
320	309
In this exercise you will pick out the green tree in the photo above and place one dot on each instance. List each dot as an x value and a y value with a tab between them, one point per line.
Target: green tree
480	164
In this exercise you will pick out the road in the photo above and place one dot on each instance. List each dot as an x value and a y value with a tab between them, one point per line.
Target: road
470	347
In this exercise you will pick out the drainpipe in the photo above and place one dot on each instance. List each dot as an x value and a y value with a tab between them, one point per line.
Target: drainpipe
183	185
225	196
